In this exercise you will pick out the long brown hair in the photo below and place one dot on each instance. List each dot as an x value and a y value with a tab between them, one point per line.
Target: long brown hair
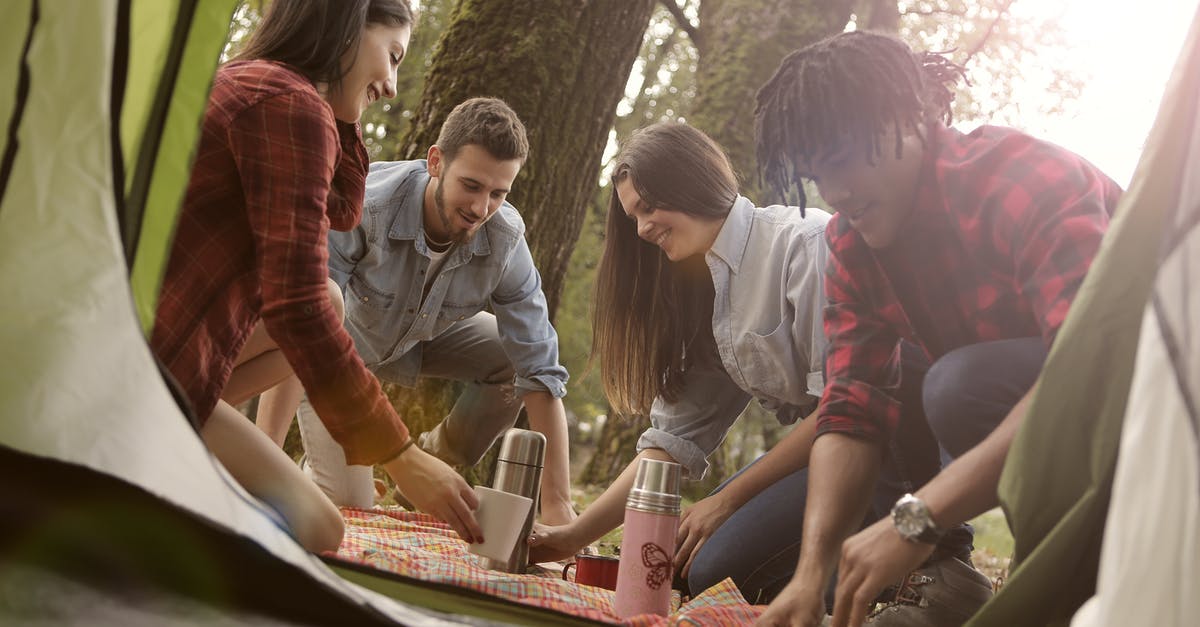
313	35
652	318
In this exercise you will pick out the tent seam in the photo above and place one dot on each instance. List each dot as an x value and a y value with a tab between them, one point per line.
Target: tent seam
14	123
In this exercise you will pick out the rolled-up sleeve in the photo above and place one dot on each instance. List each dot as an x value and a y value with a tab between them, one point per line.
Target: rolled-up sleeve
693	426
523	319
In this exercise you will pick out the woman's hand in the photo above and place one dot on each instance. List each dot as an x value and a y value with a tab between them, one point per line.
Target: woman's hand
435	488
552	544
696	526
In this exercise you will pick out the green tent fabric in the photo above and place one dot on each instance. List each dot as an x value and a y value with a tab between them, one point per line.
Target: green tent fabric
105	481
1057	480
174	49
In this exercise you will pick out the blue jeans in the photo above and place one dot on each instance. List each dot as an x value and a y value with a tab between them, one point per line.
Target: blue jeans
947	409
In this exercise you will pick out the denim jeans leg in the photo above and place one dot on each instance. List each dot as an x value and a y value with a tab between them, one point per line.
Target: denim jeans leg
970	390
470	351
758	545
914	454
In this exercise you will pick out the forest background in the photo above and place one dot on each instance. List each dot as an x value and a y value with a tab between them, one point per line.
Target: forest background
583	74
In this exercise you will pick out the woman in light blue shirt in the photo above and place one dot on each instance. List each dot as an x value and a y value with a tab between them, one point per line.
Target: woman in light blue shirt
704	302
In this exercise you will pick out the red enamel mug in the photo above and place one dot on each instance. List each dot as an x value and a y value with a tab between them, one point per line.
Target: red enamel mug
594	570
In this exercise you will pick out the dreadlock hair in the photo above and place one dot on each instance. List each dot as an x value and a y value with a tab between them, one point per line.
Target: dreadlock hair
849	88
652	318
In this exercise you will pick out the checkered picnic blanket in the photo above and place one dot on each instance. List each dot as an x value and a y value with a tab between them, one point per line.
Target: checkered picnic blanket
423	547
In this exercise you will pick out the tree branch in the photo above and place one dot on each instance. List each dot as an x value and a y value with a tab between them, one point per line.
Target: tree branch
931	12
681	19
988	33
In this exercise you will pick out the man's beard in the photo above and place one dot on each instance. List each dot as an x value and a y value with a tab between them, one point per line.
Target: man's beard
439	201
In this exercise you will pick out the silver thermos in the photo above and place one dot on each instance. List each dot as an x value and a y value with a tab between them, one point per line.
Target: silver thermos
519	471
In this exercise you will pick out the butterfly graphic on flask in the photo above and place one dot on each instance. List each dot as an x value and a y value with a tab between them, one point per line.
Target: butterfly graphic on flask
658	565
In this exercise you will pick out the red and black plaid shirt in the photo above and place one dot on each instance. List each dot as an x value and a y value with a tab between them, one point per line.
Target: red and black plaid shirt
1002	233
273	172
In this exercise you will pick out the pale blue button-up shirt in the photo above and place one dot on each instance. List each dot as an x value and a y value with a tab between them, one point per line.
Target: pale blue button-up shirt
768	267
381	264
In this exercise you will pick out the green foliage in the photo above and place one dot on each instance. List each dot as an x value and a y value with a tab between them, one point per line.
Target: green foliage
574	324
387	121
662	84
1012	59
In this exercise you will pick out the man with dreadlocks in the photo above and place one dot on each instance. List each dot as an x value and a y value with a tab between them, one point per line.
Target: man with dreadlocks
963	251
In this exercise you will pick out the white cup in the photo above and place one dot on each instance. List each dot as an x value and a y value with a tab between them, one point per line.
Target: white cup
502	516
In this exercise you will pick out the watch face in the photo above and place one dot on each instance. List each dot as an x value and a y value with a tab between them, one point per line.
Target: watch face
908	518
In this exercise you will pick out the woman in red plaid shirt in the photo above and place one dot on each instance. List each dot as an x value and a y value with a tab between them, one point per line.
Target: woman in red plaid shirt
953	259
247	301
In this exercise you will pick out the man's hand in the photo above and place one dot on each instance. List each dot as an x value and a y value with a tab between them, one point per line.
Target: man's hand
872	559
696	526
552	544
798	605
557	512
435	488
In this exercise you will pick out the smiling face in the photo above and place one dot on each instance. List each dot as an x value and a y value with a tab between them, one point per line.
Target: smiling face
465	192
876	198
372	70
678	234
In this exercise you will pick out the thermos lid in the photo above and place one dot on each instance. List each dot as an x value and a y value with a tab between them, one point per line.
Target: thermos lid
655	487
522	446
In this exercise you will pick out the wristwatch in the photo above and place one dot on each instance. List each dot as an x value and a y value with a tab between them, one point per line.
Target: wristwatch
913	521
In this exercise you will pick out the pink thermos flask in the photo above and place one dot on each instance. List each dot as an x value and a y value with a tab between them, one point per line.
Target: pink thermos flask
651	521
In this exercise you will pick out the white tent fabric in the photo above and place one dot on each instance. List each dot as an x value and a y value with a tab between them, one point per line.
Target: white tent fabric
79	384
1150	560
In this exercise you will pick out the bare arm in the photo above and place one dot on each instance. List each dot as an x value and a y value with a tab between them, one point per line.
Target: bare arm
701	520
841	473
877	556
604	515
788	456
271	476
548	417
968	486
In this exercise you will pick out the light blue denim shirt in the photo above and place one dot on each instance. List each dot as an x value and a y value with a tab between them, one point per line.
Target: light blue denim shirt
381	266
768	269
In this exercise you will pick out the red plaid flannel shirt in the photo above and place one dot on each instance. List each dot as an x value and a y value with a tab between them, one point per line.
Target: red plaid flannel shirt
1002	233
273	172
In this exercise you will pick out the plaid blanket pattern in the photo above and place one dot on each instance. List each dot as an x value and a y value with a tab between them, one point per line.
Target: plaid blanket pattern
423	547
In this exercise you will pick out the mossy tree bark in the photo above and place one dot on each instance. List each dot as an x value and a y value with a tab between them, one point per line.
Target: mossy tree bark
615	448
740	43
562	66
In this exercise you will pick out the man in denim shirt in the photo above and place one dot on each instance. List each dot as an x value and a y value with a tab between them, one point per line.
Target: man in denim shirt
437	245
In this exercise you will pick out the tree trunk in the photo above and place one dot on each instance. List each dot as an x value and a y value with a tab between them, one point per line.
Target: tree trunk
562	66
615	448
741	43
424	406
879	15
